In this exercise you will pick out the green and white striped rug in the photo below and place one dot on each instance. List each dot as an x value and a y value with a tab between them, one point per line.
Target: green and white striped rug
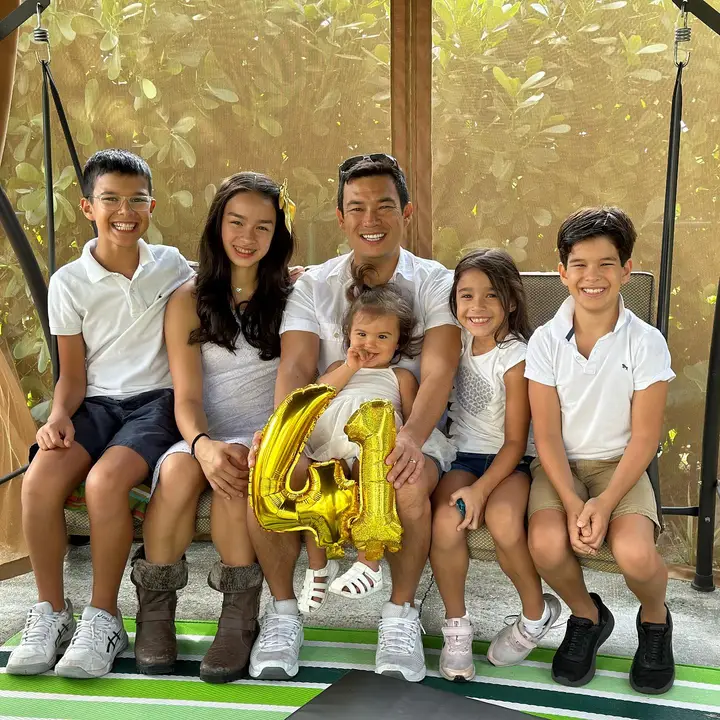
326	655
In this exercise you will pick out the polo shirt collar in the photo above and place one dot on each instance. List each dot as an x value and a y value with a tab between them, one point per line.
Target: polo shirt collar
96	272
562	323
405	267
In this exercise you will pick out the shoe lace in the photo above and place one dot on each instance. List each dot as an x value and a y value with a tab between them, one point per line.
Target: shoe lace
90	630
398	635
37	627
655	646
458	644
278	632
579	637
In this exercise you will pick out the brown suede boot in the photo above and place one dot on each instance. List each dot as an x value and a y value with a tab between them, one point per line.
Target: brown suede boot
157	586
229	655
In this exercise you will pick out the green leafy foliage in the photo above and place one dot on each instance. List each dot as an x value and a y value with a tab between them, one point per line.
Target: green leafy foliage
540	108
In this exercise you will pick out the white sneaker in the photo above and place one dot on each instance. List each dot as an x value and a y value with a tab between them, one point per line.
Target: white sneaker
514	642
400	649
456	658
275	653
45	635
99	638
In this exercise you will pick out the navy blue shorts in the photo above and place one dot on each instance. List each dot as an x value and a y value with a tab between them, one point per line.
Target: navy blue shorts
478	463
144	423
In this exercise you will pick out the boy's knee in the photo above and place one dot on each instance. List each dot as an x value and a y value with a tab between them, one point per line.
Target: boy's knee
104	483
33	484
39	490
36	495
637	560
548	544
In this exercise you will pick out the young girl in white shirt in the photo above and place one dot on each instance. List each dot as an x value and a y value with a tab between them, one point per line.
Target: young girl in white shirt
490	478
379	330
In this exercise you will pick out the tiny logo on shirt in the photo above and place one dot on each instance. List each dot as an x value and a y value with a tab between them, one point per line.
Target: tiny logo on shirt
625	367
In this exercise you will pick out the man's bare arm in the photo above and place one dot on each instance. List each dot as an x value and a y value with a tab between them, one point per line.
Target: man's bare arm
299	351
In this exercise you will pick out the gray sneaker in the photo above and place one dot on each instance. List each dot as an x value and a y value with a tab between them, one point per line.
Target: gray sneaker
275	653
400	650
456	658
45	635
98	640
514	643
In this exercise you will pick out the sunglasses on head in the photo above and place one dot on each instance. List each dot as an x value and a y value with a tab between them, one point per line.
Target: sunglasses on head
351	162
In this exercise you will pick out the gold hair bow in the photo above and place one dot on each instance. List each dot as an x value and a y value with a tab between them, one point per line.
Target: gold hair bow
287	206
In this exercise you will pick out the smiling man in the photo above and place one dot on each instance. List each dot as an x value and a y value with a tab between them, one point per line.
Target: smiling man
374	212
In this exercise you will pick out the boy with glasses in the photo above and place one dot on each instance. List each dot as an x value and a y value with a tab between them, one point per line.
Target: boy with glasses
112	415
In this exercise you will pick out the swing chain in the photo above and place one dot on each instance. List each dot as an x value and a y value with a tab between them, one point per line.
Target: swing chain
41	36
683	34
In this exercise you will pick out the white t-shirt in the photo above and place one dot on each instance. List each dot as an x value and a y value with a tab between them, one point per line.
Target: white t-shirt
477	402
596	393
317	303
121	320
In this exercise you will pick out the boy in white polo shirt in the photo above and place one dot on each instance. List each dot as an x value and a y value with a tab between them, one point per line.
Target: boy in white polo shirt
598	384
112	415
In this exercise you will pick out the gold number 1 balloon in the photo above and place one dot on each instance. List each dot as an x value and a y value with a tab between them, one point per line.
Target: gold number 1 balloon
329	501
372	427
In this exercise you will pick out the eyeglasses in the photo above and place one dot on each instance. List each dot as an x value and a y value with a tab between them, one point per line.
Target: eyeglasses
351	162
111	203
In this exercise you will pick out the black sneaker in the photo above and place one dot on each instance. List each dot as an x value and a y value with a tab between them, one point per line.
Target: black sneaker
653	668
574	661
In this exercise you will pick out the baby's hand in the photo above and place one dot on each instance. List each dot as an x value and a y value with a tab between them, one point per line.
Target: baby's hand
360	358
355	359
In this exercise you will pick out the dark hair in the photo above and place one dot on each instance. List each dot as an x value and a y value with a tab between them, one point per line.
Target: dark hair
378	300
591	222
113	160
259	318
372	167
502	272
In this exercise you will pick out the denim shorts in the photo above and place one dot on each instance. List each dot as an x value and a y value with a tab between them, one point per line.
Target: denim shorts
478	463
144	423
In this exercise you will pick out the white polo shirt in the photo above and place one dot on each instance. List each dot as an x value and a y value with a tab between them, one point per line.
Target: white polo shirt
596	393
121	320
317	302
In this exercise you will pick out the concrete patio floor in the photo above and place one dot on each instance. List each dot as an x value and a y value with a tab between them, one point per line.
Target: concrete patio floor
490	599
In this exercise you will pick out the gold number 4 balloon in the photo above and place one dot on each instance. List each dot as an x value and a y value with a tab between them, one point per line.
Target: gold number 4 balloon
328	502
330	505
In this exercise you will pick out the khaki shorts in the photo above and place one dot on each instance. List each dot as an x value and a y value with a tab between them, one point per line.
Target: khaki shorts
591	478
